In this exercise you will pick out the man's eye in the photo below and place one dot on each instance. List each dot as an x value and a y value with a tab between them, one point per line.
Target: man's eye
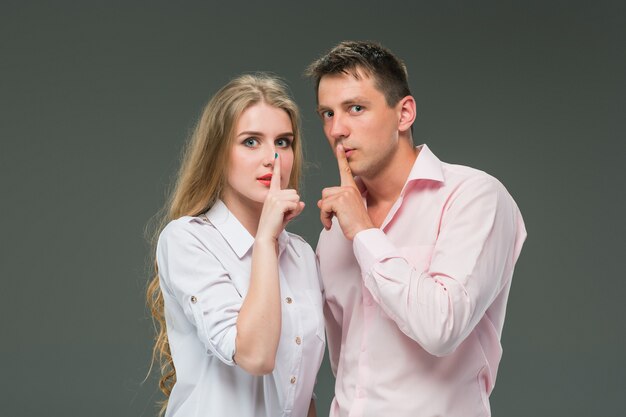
327	114
283	142
250	142
356	108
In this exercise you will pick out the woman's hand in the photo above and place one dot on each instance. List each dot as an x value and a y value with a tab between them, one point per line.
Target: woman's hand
279	208
259	321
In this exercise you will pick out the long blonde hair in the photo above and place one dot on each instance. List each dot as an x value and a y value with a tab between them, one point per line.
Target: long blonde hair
201	178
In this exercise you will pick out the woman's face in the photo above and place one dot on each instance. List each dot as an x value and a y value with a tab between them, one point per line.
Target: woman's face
261	132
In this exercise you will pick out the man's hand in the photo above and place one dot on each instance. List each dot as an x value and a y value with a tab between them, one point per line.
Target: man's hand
344	202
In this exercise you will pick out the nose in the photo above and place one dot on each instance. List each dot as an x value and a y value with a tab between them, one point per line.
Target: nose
269	156
338	128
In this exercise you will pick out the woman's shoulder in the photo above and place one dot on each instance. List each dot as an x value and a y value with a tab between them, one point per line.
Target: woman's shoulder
185	228
299	244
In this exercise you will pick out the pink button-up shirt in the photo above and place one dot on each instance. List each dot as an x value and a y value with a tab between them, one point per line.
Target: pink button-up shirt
414	310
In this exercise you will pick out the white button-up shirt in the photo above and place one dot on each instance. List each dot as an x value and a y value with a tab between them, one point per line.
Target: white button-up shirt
204	268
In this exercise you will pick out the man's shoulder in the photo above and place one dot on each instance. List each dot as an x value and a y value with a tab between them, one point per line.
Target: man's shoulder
463	171
462	180
462	175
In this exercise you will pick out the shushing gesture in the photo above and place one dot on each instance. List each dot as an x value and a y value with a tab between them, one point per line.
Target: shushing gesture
344	202
279	208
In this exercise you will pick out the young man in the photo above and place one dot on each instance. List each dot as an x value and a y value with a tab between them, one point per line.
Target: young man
416	257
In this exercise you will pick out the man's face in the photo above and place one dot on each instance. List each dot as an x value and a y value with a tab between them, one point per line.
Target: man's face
356	115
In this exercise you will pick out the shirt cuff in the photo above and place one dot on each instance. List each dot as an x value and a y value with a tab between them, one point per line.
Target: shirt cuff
371	246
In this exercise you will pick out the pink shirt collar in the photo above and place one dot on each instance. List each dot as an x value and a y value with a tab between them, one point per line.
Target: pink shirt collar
426	167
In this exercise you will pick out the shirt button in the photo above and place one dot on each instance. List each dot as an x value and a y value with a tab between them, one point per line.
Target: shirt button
194	299
289	300
293	380
298	340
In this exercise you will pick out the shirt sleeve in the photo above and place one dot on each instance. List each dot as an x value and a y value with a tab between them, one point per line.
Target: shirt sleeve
200	284
479	241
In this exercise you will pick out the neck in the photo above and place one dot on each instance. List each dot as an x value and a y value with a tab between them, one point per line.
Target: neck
248	214
386	185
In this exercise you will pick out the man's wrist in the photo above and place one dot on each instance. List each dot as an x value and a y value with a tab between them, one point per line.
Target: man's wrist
370	245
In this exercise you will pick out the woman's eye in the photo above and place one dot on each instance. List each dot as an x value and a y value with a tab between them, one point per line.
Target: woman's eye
250	142
283	142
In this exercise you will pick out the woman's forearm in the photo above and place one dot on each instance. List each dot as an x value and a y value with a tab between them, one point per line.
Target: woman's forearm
259	320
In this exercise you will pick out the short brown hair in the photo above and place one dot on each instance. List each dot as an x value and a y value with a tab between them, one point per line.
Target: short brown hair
349	57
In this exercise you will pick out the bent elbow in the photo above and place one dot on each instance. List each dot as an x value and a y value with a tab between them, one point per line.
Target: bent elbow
257	365
442	328
441	344
262	368
439	348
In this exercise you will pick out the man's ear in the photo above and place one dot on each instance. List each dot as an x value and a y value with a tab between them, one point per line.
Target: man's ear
408	113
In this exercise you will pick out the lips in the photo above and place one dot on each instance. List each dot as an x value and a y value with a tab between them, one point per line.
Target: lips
348	151
265	179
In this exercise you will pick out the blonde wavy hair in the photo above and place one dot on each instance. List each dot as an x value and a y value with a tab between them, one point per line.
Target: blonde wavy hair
201	179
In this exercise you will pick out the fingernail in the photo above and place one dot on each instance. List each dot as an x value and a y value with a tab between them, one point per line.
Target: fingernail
275	155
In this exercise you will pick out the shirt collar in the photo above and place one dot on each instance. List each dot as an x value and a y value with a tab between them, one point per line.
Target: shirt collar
426	167
237	237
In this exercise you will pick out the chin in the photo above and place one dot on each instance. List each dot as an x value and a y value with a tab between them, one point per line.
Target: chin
356	169
259	197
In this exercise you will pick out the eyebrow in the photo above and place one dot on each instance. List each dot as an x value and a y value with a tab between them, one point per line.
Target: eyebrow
253	133
352	100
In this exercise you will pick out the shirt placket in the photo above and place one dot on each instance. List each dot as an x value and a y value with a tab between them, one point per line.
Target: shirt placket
361	388
294	330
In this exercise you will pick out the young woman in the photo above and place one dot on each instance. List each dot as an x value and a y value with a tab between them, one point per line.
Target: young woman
237	299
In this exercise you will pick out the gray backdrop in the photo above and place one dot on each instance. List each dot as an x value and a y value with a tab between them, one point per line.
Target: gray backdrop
96	101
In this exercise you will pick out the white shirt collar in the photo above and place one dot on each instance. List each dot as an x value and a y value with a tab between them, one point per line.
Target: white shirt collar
237	237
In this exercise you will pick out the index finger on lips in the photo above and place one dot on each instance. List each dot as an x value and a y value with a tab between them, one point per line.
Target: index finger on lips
275	182
345	173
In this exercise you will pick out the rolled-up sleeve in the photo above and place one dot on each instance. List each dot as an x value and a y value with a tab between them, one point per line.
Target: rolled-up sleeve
200	284
464	270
